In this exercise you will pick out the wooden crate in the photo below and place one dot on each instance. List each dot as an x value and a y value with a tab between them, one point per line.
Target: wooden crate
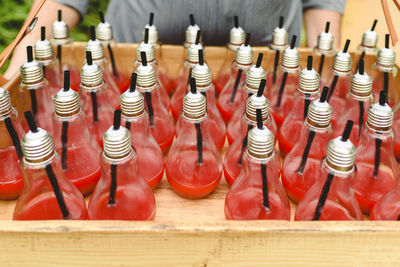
191	232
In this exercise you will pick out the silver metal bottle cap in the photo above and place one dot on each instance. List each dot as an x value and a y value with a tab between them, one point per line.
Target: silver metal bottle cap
193	53
386	59
325	41
308	81
91	76
117	143
244	55
255	102
342	62
66	103
132	104
237	37
202	74
153	33
369	39
279	39
43	51
361	86
191	32
37	147
104	31
260	143
5	102
290	58
148	48
341	155
31	72
146	76
194	105
319	114
96	47
60	30
380	118
254	75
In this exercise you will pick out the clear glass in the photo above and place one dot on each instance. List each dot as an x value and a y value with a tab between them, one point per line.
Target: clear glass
121	79
245	199
149	154
387	207
369	57
289	132
353	110
396	129
225	105
162	69
298	182
185	174
82	161
53	75
11	182
369	188
161	124
134	199
377	76
281	111
233	157
105	111
182	83
224	72
44	109
341	203
327	63
38	201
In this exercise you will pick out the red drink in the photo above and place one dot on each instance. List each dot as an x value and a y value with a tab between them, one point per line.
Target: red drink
387	207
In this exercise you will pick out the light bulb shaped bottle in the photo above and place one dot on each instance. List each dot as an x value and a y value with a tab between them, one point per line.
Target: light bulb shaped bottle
307	92
339	80
396	129
202	73
60	38
192	59
258	194
282	92
11	182
96	48
233	157
148	49
47	194
79	152
253	78
194	165
136	120
384	74
332	195
236	38
121	193
367	50
358	100
278	45
161	125
35	93
52	68
231	95
96	102
387	207
323	53
376	164
104	34
301	165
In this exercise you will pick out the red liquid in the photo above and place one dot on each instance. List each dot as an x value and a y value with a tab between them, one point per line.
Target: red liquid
53	77
221	81
122	81
11	182
338	106
163	133
177	99
75	77
289	135
396	130
332	211
280	113
388	207
163	78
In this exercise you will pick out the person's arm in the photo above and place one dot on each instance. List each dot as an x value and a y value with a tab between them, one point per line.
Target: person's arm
46	16
317	13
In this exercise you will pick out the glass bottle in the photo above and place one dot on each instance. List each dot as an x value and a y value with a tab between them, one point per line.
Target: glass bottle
358	100
161	125
194	165
47	193
253	79
323	53
367	50
192	59
136	120
377	167
44	54
121	193
95	99
236	39
231	94
340	77
332	195
258	194
202	73
35	94
307	91
11	182
396	129
388	206
78	150
301	165
384	73
281	95
233	157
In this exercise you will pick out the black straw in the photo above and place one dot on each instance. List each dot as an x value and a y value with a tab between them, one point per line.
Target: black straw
310	139
264	184
309	62
323	197
144	58
101	15
327	26
201	57
113	65
66	80
347	131
14	137
117	119
333	86
33	101
132	86
236	21
93	96
324	94
321	64
146	36
113	186
31	121
346	46
261	88
59	54
59	15
89	59
42	33
281	89
259	59
57	191
92	33
293	43
235	86
374	25
280	21
259	118
29	53
149	104
386	83
276	62
199	146
361	117
191	18
151	19
193	89
248	35
377	160
198	35
306	104
64	144
387	38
